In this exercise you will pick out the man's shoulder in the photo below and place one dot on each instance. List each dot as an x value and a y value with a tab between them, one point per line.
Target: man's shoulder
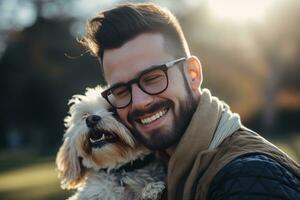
255	176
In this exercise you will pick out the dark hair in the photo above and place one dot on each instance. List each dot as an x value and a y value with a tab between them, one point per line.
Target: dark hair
112	28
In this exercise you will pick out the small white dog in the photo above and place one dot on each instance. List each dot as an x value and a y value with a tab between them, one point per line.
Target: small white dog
100	158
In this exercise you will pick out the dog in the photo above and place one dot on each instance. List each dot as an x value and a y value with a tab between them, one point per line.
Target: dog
101	159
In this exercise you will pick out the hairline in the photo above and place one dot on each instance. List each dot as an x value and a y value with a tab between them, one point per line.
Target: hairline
169	46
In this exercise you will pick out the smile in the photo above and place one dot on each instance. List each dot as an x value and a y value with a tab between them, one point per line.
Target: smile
154	117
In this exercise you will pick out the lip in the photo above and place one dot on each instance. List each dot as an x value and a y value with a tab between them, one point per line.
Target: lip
155	124
149	118
134	118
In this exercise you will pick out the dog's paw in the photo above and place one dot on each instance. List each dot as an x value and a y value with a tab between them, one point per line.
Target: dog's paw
153	191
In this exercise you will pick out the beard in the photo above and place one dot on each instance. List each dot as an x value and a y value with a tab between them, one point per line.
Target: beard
163	138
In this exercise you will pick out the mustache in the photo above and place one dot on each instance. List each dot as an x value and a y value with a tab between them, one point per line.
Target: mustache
154	107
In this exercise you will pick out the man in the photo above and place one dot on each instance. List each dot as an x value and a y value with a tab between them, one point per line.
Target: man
155	87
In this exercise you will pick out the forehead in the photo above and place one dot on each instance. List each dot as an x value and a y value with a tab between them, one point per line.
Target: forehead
124	63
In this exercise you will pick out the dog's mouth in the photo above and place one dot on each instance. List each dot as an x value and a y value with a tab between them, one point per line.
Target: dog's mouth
99	138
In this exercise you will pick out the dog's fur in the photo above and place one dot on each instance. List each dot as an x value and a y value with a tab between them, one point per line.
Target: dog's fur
95	169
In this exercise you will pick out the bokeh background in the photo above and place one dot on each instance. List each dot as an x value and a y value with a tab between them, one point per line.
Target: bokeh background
249	49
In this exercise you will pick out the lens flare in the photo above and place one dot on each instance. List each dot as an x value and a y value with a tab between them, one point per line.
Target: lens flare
240	10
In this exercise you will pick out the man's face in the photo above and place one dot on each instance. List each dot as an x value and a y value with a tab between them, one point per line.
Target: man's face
165	115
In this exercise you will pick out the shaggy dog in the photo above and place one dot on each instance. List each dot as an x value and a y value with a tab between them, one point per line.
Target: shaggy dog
101	159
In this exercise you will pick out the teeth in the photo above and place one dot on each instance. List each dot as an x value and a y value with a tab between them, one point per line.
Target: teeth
154	117
97	140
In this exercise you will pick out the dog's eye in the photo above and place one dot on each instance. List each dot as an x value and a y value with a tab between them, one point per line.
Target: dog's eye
85	115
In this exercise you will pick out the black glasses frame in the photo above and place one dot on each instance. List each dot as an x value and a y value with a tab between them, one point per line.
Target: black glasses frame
128	85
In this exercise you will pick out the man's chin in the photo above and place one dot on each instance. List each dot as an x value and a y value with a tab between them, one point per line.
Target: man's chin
167	132
157	139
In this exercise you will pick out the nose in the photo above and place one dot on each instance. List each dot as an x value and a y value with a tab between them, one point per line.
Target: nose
92	120
140	99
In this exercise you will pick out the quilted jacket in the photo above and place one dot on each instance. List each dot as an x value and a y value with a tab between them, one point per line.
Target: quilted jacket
254	176
194	165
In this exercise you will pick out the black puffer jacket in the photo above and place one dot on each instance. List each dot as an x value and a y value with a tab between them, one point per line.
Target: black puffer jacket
254	176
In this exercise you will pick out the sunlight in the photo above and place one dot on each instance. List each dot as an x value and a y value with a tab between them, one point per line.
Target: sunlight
240	10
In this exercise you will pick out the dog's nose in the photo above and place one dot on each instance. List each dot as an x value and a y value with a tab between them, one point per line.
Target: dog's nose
92	120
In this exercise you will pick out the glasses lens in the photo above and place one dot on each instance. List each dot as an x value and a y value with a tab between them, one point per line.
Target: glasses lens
119	96
154	81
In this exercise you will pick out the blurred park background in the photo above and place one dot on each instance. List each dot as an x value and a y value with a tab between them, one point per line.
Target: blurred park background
249	49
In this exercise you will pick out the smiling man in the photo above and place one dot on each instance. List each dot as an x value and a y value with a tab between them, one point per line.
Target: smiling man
157	111
155	88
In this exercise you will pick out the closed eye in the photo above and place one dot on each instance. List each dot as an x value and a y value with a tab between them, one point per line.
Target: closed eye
120	91
153	78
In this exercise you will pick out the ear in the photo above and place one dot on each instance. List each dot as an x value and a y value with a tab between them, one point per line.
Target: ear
68	164
193	71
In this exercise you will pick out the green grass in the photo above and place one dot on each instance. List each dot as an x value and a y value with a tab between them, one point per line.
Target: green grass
27	175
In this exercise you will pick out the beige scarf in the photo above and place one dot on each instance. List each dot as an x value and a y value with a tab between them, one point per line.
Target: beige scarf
228	124
210	125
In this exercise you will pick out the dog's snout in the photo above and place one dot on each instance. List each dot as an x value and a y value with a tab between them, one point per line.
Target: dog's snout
92	120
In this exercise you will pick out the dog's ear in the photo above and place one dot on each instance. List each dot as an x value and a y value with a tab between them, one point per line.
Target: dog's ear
70	170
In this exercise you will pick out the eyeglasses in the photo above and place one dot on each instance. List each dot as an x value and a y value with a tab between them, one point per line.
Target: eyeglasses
152	81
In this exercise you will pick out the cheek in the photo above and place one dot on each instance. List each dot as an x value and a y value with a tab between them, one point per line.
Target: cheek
177	84
178	95
176	90
123	113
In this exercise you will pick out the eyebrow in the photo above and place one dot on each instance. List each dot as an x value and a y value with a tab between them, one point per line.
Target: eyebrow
138	75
